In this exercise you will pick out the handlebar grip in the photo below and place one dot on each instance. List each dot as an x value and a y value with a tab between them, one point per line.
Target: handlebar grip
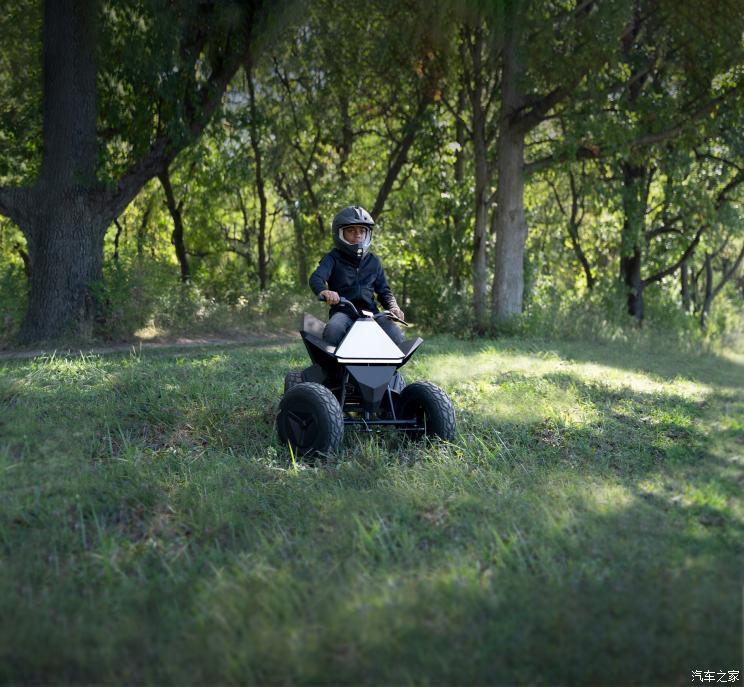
342	301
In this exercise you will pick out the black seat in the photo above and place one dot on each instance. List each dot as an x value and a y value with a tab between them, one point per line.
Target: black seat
312	325
311	329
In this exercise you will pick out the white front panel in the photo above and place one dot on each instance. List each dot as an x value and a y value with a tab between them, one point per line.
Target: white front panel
366	339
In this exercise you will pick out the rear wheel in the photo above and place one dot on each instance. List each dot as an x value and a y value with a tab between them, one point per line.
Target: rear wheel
310	419
291	379
430	407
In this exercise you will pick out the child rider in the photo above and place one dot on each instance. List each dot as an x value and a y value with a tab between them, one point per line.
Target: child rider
351	271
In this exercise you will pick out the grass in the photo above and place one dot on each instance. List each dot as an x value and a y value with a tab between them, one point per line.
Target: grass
585	527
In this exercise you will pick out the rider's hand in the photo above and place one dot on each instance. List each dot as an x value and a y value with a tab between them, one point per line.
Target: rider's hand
331	297
395	310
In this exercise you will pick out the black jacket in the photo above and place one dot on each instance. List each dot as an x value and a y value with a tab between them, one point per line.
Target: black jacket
356	281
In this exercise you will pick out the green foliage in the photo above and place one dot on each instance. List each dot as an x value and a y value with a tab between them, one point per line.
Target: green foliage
12	299
322	114
587	518
20	101
131	295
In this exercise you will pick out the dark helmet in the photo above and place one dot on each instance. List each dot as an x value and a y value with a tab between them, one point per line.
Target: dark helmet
356	216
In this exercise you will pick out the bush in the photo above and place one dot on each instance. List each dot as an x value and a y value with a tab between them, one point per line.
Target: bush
130	295
13	299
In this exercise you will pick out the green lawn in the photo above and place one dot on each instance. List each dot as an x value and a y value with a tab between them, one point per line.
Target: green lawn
585	527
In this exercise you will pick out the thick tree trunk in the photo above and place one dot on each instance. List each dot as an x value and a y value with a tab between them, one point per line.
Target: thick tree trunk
630	266
64	228
635	196
510	224
65	246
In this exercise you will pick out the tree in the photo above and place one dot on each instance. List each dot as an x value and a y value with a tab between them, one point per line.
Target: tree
534	82
479	84
171	90
668	90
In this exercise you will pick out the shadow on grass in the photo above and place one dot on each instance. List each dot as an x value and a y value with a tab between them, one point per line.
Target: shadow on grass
172	542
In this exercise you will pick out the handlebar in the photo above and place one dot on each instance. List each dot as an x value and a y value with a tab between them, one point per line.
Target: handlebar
392	317
346	302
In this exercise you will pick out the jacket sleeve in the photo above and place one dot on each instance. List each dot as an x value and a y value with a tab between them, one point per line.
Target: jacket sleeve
383	290
319	278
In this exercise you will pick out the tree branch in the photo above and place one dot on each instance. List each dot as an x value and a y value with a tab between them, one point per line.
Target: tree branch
730	273
659	231
12	201
165	148
721	197
23	253
674	131
715	158
399	155
592	151
6	201
552	185
673	268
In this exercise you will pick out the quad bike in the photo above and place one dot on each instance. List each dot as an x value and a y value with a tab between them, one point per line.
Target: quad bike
357	384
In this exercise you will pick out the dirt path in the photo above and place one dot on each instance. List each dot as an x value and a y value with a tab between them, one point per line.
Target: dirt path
281	337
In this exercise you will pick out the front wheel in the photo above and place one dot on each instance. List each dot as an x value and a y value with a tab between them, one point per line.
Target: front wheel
310	419
430	407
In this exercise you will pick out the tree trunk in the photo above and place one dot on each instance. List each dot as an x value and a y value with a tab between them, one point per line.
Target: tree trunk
573	231
635	196
708	298
64	228
177	236
482	189
260	184
300	251
482	186
510	224
684	283
117	238
457	215
460	137
574	221
712	291
65	246
346	142
142	227
64	215
630	266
